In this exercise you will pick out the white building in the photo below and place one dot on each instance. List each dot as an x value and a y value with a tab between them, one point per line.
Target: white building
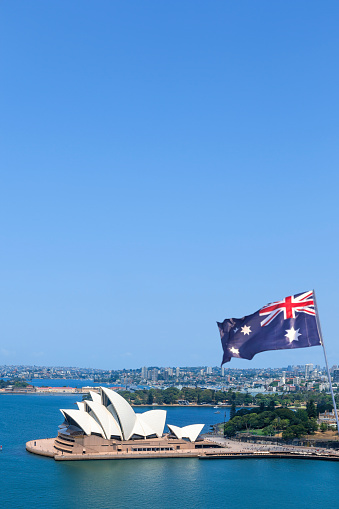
110	416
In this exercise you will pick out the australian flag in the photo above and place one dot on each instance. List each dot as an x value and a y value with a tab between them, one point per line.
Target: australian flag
288	323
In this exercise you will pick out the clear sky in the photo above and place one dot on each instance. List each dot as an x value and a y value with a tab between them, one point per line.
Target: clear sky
165	165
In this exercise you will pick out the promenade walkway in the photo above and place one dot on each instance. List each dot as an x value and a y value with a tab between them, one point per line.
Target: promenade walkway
234	446
43	447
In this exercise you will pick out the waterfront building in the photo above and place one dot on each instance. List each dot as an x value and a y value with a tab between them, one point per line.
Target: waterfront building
106	426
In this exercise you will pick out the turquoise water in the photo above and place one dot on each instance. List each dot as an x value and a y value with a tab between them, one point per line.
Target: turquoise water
29	481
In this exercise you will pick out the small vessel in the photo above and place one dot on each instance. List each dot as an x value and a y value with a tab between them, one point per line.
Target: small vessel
217	412
216	406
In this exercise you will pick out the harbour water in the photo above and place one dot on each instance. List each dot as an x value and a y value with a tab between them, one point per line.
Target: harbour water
28	481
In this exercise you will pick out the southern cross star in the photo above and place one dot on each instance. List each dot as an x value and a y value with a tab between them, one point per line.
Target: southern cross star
234	350
292	334
235	330
246	330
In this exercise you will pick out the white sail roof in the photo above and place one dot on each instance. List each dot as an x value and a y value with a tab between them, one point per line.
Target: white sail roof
141	428
191	432
123	410
105	419
155	419
108	414
84	421
95	396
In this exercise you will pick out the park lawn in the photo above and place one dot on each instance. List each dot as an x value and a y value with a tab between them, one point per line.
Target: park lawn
258	432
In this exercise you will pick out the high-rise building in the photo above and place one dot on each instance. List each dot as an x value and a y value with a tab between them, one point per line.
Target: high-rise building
154	375
308	370
177	372
336	375
222	370
144	373
208	371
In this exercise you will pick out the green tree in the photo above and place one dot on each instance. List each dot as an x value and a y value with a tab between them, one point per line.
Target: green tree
271	406
276	424
171	395
302	415
288	434
229	429
299	430
219	396
254	421
311	409
150	397
311	426
269	431
207	396
284	423
323	427
233	411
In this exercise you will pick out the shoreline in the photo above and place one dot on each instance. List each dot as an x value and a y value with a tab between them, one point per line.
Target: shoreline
49	393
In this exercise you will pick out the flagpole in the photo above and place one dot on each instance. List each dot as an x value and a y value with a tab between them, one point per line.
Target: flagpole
328	370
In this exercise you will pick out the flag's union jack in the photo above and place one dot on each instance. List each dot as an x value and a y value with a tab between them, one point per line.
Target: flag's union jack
303	303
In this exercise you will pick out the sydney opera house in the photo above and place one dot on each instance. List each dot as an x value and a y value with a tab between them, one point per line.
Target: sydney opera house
106	426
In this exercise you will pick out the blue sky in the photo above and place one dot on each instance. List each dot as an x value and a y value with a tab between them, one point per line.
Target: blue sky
165	165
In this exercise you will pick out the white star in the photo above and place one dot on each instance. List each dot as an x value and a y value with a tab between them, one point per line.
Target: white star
234	350
292	334
246	330
235	330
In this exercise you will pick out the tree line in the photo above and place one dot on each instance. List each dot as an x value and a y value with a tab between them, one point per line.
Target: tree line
173	395
269	421
16	383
